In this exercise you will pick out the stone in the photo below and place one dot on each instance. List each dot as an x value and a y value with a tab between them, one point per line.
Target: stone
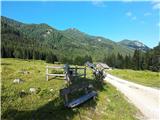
18	80
32	90
49	100
51	90
108	100
22	93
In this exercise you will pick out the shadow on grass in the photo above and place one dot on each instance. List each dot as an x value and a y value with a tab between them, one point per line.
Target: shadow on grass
55	110
5	63
97	85
55	78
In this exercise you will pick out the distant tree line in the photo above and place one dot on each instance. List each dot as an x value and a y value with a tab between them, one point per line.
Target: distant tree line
77	60
141	60
149	60
48	56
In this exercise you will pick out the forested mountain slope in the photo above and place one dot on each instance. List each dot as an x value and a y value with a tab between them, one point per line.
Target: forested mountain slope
41	39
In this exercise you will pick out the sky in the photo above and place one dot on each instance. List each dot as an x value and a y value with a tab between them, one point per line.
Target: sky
114	20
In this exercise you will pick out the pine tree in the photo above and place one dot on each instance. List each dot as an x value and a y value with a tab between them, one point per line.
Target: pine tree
136	59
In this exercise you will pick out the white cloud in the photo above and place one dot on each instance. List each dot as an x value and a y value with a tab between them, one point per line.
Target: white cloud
156	4
127	1
129	14
98	3
147	14
155	1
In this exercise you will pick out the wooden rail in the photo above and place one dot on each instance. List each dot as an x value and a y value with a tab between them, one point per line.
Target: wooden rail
59	75
73	69
55	75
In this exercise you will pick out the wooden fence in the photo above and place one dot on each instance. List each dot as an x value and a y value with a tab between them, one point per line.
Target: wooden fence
74	70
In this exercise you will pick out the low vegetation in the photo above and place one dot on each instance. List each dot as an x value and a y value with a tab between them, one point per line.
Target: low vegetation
19	103
147	78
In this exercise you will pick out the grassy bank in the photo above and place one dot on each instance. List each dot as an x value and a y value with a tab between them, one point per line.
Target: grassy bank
46	104
147	78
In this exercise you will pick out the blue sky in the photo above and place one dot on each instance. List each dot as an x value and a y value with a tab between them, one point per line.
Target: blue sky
113	20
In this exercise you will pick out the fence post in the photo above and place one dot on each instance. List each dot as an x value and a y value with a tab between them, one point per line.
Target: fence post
76	70
66	98
85	72
47	73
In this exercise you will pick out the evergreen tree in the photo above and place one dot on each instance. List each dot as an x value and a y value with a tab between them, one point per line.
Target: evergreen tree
51	58
87	58
136	59
79	60
120	61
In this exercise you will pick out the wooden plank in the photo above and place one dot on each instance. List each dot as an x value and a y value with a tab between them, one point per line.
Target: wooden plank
46	74
76	68
55	67
81	100
56	75
73	88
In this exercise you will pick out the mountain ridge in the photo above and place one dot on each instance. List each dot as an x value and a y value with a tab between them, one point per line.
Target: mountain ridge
70	42
134	44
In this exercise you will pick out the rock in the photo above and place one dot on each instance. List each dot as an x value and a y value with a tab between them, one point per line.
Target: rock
22	93
49	100
26	72
108	100
18	80
32	90
51	90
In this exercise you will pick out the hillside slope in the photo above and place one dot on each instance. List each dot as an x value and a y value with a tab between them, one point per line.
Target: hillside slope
67	43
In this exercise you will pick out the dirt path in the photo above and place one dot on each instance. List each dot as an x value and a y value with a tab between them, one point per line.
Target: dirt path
146	99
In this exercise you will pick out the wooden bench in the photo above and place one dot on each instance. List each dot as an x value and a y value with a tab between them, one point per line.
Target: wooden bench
74	88
81	99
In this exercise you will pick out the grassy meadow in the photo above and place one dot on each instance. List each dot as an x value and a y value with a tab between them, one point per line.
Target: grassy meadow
46	104
147	78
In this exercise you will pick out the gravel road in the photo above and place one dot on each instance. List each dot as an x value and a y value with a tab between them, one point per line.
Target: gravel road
146	99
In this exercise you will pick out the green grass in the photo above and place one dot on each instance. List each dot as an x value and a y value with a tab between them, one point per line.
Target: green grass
46	105
147	78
